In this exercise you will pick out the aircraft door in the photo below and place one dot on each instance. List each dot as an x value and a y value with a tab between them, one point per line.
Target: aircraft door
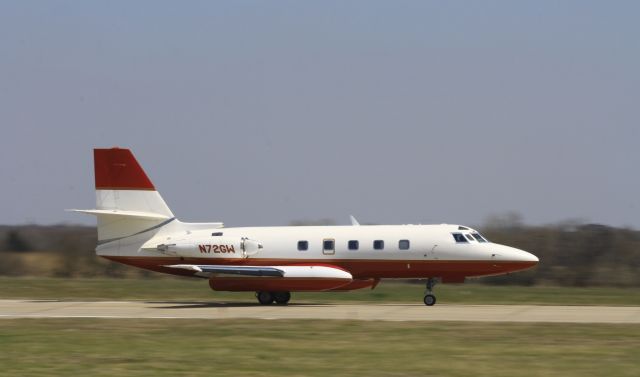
328	246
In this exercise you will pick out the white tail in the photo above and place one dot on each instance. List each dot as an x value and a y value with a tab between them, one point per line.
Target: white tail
129	210
127	203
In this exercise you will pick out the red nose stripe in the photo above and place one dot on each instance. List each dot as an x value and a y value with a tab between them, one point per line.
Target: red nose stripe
117	169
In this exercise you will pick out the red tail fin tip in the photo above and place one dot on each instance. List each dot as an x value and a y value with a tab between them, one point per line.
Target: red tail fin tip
118	169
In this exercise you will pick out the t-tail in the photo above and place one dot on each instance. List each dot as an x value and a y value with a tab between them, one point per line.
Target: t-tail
129	209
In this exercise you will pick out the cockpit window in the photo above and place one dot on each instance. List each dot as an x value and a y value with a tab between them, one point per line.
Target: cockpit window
459	238
468	237
478	237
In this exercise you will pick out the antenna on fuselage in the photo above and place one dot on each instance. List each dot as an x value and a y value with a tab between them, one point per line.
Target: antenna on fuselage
354	222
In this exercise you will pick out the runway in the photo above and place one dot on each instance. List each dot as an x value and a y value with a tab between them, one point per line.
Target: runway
367	312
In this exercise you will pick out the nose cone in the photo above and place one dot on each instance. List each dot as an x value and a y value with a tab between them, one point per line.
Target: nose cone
527	257
520	259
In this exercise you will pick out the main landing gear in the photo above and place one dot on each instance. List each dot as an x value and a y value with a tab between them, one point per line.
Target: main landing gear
429	298
268	298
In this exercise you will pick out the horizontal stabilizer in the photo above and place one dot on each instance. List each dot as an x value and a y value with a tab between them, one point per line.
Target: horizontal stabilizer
117	212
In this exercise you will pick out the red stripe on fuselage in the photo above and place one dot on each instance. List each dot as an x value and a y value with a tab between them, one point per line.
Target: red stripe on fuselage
359	268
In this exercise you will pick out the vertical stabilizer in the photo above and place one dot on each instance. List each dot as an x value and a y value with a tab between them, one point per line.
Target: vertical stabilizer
127	203
122	184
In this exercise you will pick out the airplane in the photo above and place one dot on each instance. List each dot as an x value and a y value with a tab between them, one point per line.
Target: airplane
136	227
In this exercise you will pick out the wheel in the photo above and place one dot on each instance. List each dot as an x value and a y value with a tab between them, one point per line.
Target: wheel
264	298
282	298
429	300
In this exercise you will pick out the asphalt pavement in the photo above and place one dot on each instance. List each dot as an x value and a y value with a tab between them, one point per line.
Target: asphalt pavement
367	312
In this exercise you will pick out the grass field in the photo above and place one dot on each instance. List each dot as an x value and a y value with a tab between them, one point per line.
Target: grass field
387	291
172	347
313	348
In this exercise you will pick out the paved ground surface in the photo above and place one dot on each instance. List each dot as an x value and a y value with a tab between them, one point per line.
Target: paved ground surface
389	312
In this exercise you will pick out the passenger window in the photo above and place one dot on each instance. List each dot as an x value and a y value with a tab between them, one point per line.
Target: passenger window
459	238
378	244
403	244
469	237
216	234
303	245
353	245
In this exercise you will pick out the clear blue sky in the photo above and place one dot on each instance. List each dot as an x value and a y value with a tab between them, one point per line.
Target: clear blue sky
259	113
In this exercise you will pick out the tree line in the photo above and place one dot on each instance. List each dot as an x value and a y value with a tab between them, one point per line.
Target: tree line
571	253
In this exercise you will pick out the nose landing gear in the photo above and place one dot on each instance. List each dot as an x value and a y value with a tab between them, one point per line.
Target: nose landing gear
429	297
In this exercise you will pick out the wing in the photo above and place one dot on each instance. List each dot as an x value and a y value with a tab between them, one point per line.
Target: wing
285	272
210	270
270	278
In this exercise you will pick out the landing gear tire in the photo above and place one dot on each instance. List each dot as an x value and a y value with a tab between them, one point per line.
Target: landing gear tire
429	300
282	298
264	298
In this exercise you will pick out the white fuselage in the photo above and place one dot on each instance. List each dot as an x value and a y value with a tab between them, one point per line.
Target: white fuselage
403	251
